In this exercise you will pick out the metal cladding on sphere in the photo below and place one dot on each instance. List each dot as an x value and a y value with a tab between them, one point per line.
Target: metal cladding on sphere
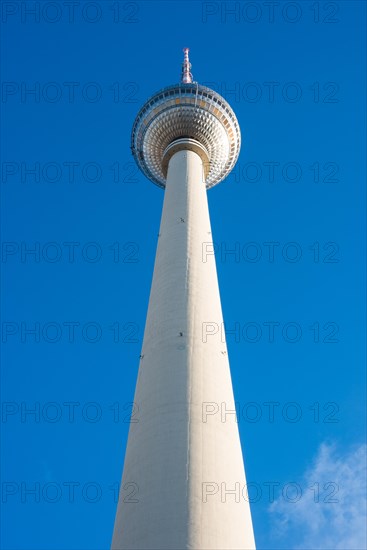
186	110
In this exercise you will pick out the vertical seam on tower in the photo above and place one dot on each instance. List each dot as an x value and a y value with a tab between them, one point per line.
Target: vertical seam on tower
188	329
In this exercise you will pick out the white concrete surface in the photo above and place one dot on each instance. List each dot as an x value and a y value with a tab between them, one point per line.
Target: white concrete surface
173	456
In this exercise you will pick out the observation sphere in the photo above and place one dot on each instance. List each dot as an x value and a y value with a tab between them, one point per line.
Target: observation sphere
192	114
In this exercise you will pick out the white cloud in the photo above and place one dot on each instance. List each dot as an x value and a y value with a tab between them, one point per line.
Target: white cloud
337	521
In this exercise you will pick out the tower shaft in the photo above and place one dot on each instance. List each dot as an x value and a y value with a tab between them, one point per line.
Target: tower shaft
184	459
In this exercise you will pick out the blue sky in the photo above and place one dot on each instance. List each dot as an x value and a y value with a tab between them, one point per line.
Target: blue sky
295	78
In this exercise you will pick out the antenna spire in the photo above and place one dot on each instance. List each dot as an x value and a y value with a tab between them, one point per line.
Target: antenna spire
186	77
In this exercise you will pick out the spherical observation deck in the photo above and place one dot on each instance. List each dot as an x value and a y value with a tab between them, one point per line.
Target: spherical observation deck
186	112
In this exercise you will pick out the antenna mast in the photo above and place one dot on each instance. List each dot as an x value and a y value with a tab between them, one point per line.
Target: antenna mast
186	77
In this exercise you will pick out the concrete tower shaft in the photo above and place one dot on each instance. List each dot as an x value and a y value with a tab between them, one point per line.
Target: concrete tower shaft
185	462
177	453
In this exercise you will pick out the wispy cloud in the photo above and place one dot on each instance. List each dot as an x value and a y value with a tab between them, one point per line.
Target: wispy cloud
327	517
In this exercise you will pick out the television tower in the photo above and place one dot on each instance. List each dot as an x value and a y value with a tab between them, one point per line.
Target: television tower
183	458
